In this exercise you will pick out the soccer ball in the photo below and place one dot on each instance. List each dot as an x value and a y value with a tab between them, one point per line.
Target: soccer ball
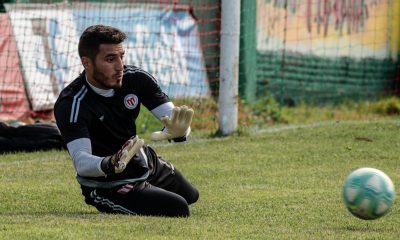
368	193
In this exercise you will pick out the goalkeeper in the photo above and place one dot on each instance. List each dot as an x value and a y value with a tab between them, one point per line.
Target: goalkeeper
96	114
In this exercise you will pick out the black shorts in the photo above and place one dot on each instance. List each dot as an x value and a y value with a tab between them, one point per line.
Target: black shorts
166	192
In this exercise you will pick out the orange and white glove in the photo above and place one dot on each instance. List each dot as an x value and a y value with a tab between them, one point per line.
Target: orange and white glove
117	163
177	126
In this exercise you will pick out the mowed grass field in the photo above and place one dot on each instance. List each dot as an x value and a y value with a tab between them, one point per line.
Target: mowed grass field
275	183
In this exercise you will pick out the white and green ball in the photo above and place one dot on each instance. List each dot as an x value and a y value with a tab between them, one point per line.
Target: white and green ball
368	193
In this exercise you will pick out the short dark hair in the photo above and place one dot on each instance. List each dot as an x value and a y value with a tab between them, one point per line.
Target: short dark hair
95	35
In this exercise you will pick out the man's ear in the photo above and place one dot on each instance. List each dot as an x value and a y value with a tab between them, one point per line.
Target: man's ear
85	62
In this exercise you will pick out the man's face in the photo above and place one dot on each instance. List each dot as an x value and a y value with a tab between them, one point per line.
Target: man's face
107	69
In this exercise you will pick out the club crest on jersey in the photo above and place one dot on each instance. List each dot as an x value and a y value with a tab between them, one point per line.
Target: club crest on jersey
131	101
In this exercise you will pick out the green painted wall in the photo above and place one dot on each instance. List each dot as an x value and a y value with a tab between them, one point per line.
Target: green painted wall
296	78
248	58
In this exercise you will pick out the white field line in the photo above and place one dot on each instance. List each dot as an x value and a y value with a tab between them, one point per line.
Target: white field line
320	124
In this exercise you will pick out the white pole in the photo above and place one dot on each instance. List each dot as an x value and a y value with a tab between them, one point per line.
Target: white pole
229	66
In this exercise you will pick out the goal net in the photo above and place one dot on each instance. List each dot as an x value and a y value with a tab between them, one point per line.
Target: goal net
175	42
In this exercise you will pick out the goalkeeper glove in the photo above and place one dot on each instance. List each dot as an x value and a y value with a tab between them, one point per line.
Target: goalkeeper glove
176	127
117	163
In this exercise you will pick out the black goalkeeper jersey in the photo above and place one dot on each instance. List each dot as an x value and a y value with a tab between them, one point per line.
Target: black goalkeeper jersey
107	121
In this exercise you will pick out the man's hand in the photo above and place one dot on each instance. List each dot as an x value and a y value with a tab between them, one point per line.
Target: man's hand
118	162
177	126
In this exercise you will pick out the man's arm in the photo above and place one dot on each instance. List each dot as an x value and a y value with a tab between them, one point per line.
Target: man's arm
176	120
88	165
163	110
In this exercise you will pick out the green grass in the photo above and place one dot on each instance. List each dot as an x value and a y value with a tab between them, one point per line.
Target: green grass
278	183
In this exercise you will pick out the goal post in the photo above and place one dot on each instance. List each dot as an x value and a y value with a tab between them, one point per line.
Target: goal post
229	66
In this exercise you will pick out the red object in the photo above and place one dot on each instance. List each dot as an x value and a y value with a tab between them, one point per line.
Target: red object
13	101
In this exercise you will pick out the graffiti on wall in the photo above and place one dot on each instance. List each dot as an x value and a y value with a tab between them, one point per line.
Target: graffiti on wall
347	16
332	27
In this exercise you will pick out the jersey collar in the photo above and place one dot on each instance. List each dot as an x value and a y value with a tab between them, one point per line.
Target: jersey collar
101	92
